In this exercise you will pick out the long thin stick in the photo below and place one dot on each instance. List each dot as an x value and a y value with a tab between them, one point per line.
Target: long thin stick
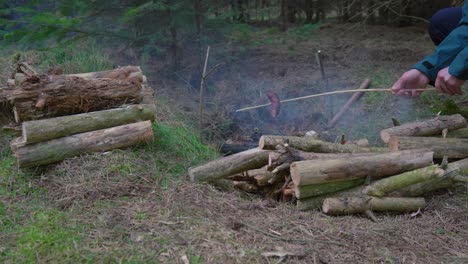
328	103
330	93
202	90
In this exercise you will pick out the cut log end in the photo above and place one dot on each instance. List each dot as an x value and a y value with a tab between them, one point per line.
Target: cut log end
393	143
295	176
385	136
261	142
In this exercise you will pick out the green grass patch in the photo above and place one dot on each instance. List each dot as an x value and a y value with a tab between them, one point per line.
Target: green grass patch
46	237
181	142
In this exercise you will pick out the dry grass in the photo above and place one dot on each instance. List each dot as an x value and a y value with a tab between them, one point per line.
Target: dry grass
218	227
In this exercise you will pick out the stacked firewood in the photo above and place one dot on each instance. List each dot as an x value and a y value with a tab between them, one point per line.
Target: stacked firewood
344	178
61	116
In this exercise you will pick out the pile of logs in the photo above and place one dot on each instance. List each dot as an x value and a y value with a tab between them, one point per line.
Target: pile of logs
350	177
61	116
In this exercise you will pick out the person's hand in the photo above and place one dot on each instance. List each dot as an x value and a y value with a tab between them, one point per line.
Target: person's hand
410	80
447	83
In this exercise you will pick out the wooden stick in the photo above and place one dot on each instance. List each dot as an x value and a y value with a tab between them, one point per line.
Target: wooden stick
202	91
328	93
327	102
348	104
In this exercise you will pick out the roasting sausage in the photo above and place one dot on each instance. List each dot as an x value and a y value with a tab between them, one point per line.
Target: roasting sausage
275	104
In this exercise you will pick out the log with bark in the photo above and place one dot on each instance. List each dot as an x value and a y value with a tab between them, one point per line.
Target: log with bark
311	144
101	140
409	184
376	167
315	202
46	129
227	166
459	133
455	172
356	205
120	73
425	128
290	155
453	148
43	96
306	191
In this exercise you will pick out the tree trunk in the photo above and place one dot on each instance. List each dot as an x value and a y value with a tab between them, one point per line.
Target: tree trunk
51	96
310	144
356	205
453	148
46	129
284	15
227	166
307	191
376	167
425	128
101	140
309	11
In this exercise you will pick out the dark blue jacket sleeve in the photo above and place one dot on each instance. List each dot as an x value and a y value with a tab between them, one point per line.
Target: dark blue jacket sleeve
452	53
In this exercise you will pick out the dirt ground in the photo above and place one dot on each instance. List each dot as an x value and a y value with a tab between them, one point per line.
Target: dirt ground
138	206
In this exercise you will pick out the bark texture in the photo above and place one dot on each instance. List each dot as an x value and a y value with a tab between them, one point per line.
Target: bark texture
307	191
430	127
453	148
45	96
46	129
453	170
376	167
101	140
310	144
227	166
356	205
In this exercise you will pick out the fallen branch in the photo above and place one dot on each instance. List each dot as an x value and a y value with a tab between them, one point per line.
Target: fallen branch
348	104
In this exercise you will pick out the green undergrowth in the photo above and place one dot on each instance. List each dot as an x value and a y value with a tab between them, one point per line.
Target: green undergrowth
37	226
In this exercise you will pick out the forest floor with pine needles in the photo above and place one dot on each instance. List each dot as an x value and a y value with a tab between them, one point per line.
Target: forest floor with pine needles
137	206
